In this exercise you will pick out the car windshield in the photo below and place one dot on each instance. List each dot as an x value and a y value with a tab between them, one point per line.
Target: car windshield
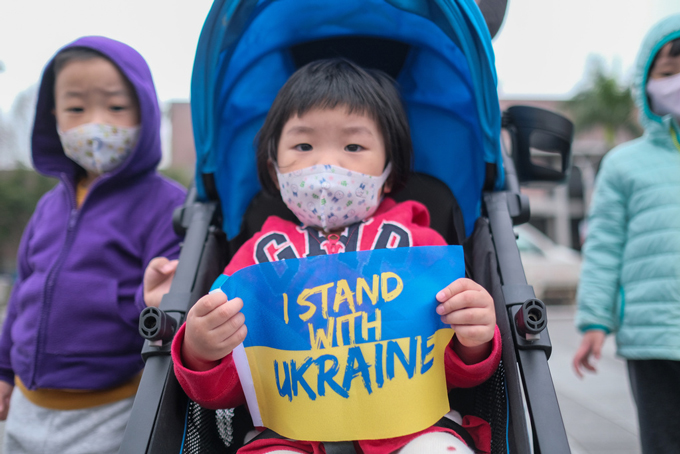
524	245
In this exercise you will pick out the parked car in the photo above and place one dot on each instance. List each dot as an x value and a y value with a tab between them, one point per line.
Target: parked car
553	270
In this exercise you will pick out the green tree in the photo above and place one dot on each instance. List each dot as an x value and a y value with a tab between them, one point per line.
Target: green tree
605	103
20	190
182	176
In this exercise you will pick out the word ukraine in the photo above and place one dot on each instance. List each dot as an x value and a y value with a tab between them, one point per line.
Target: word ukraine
338	342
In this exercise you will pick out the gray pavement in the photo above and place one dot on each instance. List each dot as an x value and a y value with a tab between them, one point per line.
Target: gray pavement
598	411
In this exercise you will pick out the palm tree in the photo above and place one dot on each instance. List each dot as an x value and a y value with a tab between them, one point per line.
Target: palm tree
604	103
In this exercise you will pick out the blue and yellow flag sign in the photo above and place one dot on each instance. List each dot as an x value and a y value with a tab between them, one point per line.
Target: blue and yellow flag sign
346	346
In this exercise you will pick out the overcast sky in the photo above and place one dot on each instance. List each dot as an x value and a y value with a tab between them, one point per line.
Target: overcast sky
540	51
543	46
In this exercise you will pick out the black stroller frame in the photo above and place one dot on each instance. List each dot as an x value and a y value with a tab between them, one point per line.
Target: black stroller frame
519	401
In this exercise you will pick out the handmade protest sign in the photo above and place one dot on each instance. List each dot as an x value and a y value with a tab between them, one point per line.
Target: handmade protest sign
346	346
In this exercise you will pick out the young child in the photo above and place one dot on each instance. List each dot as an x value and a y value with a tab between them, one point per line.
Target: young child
70	342
630	280
333	113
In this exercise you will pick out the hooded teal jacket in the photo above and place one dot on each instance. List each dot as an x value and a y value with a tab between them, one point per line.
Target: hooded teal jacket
630	280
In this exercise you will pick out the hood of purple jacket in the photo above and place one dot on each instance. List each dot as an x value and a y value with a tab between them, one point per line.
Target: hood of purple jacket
48	154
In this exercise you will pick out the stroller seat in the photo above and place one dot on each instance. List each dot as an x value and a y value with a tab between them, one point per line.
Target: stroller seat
233	87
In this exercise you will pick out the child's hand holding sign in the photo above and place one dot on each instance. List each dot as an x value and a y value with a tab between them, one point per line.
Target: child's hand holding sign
215	326
469	309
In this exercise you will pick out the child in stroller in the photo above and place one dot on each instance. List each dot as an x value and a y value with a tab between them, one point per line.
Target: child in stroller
441	55
333	116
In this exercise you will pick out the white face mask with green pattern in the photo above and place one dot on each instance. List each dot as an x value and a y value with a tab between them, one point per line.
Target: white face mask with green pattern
99	148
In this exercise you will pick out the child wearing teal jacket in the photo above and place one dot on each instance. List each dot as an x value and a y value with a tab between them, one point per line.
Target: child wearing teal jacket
630	280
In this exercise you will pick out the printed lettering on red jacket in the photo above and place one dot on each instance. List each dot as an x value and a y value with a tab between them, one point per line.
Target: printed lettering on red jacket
393	225
308	241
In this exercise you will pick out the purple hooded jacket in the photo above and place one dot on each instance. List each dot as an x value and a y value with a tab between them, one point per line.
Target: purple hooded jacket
72	316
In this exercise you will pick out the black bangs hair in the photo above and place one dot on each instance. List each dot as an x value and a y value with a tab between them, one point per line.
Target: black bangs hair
675	47
74	53
82	54
674	52
327	84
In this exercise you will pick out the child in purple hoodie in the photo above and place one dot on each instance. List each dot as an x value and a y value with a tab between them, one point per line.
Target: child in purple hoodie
70	342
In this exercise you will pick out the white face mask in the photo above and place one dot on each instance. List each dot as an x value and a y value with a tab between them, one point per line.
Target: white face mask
664	96
99	148
330	197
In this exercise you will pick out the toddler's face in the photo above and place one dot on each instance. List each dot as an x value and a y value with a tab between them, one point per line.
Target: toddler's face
94	91
332	136
665	64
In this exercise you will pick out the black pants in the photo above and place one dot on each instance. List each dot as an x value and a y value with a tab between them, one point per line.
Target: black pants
656	389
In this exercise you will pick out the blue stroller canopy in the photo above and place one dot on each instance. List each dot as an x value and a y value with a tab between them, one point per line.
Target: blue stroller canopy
447	81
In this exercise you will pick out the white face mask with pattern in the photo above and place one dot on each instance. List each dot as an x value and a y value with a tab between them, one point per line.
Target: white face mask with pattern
99	148
330	197
664	96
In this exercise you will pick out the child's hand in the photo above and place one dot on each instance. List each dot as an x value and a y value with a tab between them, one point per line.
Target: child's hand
214	328
591	345
469	309
157	279
5	394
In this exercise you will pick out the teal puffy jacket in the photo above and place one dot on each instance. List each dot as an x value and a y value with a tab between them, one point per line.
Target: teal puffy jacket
630	279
